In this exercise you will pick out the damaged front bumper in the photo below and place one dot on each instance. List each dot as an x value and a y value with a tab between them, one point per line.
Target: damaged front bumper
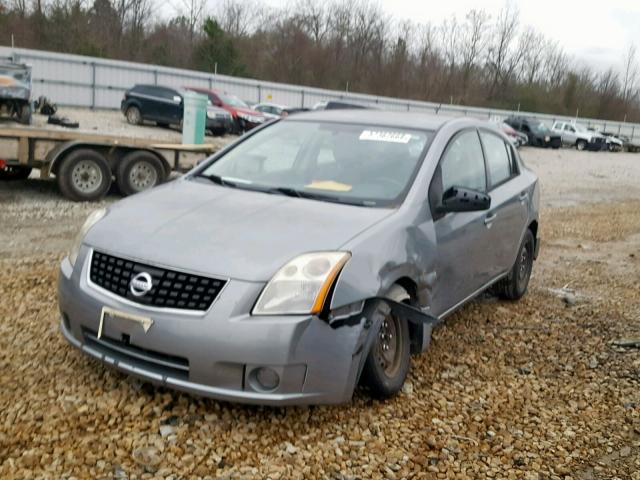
220	354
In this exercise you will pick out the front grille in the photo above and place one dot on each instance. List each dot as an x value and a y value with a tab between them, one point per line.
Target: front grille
160	363
170	289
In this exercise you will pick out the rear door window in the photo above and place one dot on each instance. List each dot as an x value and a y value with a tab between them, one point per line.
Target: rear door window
499	158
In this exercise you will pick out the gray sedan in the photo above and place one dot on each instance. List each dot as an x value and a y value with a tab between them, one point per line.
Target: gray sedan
315	253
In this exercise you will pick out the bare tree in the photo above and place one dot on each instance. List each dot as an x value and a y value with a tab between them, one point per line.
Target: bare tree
629	74
192	11
499	52
473	41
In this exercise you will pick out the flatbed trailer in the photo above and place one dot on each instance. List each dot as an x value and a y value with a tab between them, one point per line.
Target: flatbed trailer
85	165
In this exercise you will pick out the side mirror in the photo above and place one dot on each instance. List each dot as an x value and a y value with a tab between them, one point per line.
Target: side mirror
459	199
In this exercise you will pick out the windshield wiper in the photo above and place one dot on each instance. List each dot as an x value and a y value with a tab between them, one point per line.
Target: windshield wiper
292	192
218	180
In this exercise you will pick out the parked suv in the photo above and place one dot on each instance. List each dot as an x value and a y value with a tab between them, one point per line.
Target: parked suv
165	106
537	132
575	135
244	117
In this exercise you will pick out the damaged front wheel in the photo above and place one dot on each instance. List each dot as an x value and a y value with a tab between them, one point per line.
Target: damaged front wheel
387	363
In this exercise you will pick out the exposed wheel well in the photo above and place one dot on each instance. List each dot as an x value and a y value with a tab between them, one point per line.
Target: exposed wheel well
415	330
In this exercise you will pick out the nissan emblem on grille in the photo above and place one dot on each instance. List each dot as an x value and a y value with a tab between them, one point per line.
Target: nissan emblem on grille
141	284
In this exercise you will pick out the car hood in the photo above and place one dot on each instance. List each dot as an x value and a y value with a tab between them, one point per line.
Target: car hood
248	111
226	232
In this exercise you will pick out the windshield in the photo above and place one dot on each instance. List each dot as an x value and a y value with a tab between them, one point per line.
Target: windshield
232	100
347	163
539	127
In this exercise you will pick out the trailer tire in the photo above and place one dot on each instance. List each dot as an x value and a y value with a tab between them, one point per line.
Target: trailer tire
139	171
15	172
84	175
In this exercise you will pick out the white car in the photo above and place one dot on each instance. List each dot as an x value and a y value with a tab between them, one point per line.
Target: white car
272	110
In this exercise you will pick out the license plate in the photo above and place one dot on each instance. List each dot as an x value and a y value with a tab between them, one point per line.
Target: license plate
107	313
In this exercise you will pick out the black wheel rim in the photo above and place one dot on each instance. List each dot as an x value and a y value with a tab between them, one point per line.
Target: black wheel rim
389	346
525	262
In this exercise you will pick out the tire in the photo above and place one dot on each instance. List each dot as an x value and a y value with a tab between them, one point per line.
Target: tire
581	145
15	172
84	175
133	114
139	171
514	285
218	132
24	114
387	363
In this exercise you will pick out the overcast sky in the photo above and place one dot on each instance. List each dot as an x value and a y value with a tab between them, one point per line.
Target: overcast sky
594	31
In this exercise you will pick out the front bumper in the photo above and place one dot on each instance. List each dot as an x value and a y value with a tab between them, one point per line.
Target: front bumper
219	123
215	354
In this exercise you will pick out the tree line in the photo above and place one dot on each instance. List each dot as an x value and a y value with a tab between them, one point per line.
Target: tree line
351	45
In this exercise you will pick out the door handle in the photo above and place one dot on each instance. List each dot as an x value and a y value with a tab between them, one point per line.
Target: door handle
523	196
489	219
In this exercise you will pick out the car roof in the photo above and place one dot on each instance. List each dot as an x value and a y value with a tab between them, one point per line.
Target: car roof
422	121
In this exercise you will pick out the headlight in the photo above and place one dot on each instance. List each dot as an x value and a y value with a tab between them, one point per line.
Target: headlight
302	285
250	118
91	220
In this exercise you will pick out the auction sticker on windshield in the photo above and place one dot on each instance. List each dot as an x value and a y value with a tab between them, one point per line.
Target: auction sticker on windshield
385	136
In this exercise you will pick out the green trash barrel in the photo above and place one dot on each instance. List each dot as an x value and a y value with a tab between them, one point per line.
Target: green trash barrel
194	118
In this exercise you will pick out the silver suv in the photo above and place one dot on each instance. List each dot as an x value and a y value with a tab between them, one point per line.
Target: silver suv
574	134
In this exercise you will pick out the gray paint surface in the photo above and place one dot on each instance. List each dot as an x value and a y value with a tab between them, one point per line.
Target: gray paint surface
195	226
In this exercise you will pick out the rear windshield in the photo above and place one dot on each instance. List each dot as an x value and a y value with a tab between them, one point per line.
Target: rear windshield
348	163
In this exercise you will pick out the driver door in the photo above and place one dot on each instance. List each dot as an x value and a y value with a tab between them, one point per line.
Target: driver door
462	240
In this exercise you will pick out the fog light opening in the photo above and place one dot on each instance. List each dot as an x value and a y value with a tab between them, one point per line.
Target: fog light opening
265	378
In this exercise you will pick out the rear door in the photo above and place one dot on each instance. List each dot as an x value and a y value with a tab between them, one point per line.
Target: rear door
509	192
169	105
569	135
462	237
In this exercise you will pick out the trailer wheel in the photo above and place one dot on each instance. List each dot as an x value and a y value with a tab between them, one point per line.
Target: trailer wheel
139	171
14	172
84	175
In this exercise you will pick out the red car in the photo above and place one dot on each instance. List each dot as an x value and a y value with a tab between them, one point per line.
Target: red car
244	117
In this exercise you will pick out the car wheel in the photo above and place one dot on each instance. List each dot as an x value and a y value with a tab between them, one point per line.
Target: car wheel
387	363
134	117
514	285
581	145
14	172
84	175
139	171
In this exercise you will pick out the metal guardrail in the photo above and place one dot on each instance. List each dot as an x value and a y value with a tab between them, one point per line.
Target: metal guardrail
79	81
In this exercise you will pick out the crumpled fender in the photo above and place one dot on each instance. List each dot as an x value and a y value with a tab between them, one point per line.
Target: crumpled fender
370	314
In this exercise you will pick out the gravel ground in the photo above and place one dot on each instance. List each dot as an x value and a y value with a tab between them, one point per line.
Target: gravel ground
536	389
